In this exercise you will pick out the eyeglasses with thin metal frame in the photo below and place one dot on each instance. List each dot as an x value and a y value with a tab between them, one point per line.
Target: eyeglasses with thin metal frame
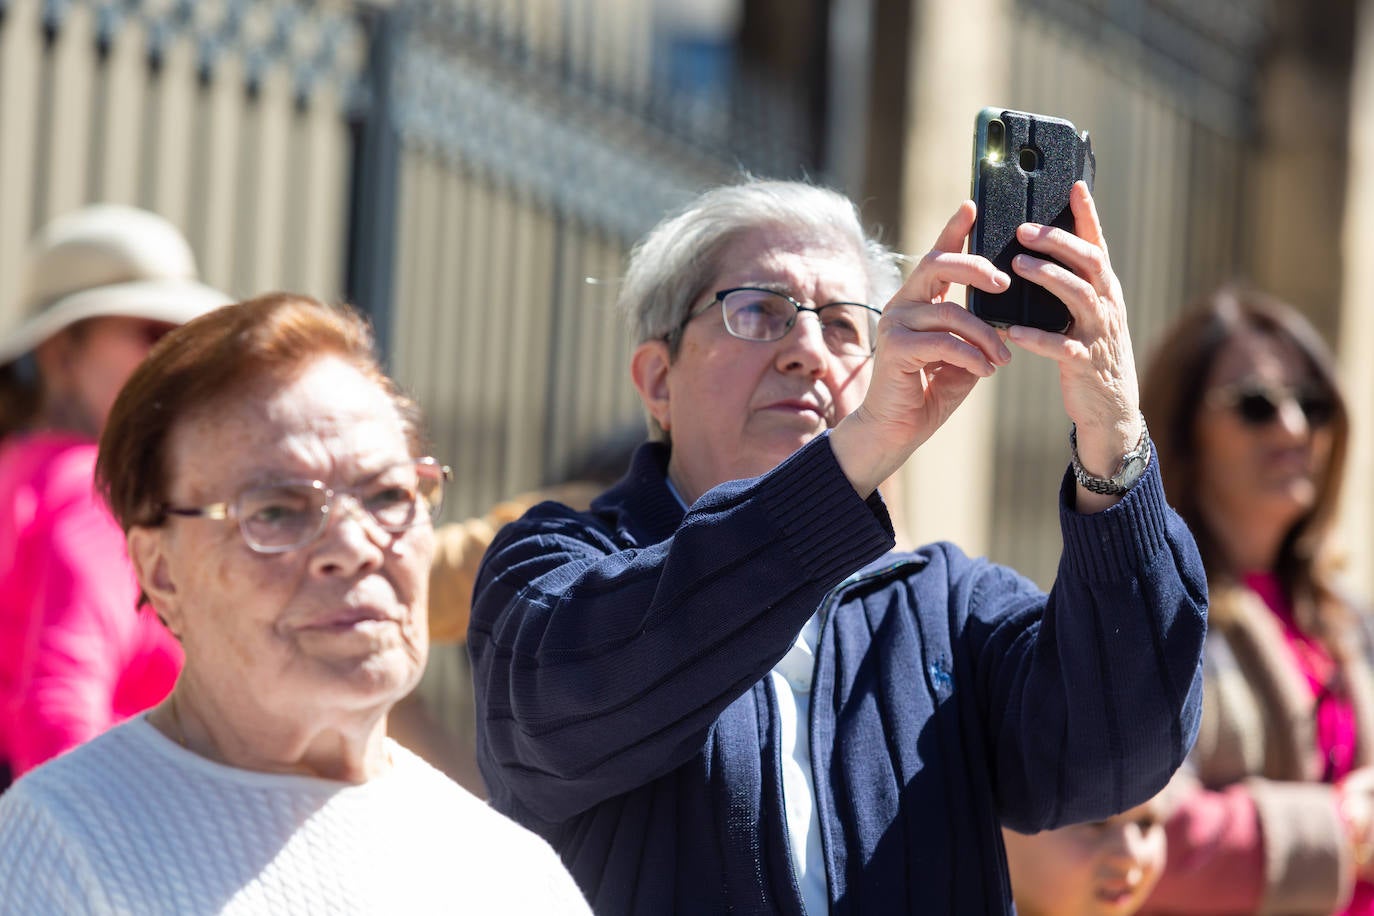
850	329
1257	403
286	515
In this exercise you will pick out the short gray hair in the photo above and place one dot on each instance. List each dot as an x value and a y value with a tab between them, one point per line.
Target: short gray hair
670	267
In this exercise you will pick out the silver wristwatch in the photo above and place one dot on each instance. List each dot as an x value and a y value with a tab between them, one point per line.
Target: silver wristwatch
1132	465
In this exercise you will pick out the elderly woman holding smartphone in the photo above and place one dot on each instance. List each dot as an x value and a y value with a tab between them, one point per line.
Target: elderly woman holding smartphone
279	516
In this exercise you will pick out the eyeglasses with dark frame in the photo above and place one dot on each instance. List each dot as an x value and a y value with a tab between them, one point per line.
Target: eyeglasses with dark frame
286	515
1257	403
850	329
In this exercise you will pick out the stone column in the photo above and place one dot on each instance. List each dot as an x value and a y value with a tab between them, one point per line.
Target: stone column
957	66
1355	334
1299	160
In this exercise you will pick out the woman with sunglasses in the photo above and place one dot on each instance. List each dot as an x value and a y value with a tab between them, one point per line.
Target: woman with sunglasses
279	514
100	286
1252	432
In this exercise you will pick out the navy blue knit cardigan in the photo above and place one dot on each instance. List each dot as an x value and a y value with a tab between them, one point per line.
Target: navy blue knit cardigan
623	713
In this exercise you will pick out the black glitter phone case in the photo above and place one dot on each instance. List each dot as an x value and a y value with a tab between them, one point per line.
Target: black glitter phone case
1023	167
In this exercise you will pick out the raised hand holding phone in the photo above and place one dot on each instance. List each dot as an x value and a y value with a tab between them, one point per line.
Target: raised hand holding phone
929	356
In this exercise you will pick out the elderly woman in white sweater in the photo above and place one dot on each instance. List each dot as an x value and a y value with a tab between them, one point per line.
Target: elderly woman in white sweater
279	516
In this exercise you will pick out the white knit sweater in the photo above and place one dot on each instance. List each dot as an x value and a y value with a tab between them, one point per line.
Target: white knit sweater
133	823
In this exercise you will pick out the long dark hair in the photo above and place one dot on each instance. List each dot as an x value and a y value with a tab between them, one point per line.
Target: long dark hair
1171	397
20	397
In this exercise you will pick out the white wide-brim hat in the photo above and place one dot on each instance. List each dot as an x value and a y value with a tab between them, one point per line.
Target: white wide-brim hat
101	261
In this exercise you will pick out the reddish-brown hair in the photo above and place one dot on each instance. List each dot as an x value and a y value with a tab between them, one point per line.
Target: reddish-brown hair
210	359
1171	397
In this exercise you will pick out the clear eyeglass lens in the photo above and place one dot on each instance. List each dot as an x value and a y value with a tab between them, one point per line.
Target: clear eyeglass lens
281	516
284	516
757	314
429	489
848	330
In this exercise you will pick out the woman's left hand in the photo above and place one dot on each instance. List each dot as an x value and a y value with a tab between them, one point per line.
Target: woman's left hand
1096	366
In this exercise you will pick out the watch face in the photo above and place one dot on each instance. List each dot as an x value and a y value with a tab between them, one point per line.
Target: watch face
1135	466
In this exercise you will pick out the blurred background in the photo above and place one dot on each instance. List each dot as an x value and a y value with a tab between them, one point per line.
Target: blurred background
472	174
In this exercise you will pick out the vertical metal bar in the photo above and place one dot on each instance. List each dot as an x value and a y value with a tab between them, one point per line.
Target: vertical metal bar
556	311
100	103
372	245
42	162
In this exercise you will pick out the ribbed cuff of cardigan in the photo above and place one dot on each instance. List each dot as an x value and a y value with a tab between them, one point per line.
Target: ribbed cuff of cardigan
1307	866
1118	541
827	526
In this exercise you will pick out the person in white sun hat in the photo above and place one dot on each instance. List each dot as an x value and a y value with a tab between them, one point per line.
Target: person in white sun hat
101	285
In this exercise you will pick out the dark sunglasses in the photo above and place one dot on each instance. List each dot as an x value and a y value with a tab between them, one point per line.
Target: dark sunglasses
1258	404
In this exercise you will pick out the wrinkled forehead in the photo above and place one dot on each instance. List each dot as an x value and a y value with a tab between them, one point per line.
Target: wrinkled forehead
325	419
802	261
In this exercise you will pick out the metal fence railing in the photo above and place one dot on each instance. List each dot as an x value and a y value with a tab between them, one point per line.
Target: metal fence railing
515	214
231	119
470	173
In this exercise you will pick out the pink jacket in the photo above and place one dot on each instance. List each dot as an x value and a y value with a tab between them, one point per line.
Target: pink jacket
76	655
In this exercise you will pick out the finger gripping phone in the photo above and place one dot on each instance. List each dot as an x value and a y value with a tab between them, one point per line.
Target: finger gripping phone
1023	167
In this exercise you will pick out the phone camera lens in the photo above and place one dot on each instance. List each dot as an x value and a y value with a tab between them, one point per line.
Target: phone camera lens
997	135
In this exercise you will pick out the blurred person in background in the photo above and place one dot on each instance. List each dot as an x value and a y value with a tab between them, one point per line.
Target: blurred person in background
278	508
101	285
459	546
1243	402
720	690
1102	868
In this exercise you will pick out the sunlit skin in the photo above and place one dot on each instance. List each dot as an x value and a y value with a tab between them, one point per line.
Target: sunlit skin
1106	868
1256	481
292	659
737	408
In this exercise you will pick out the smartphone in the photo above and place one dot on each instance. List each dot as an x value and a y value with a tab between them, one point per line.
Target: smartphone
1023	167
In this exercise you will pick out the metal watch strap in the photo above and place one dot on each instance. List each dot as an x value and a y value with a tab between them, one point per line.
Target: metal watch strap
1133	464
